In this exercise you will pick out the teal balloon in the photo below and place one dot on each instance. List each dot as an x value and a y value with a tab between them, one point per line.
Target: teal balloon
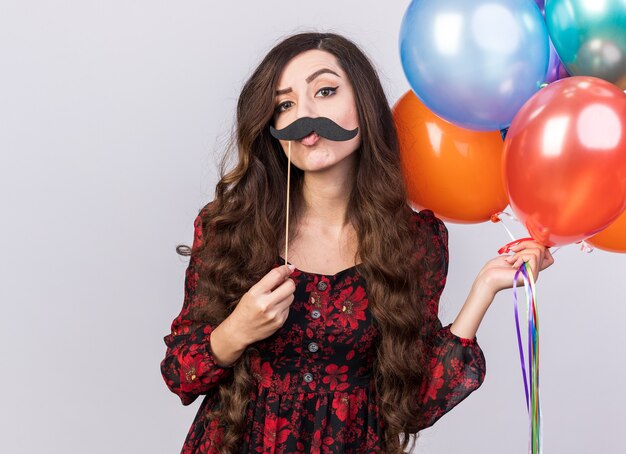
590	37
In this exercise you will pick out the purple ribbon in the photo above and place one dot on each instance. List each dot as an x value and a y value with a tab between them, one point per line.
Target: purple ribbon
519	335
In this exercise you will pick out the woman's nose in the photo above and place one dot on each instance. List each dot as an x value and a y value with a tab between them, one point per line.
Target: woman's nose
305	108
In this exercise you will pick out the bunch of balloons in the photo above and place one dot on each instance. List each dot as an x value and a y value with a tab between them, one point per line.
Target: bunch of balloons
518	102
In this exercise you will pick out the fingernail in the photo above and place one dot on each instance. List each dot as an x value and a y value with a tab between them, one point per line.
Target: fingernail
291	267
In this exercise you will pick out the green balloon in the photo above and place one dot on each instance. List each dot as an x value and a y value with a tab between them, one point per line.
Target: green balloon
590	37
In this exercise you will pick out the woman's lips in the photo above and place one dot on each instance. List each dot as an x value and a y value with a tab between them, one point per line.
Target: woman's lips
310	140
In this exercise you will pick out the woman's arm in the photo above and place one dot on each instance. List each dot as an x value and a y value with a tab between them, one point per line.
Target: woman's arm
457	364
199	354
189	367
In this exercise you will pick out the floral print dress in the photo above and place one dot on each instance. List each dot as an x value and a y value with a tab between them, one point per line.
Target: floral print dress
314	386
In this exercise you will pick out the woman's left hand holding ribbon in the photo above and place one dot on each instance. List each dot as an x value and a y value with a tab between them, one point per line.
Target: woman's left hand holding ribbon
498	274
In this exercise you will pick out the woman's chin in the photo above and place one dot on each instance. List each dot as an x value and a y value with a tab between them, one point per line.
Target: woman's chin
315	160
319	162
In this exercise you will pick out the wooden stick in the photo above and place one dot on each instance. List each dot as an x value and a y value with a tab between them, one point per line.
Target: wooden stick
287	209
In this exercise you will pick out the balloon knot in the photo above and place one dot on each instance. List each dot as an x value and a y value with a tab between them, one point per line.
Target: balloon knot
585	247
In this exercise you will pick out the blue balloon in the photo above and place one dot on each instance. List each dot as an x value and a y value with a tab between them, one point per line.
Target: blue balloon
474	63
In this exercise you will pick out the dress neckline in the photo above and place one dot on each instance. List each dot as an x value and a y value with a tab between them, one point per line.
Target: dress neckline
330	276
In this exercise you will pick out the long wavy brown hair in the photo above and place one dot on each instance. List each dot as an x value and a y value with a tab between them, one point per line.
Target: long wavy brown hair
243	228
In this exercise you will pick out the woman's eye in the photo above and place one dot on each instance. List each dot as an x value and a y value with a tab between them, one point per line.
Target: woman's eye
326	91
283	106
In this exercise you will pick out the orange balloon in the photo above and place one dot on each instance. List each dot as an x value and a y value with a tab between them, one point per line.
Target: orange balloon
453	171
565	160
612	238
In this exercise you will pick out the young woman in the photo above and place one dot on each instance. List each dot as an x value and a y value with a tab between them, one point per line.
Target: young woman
341	349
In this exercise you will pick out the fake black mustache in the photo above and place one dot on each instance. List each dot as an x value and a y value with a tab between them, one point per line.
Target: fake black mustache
304	126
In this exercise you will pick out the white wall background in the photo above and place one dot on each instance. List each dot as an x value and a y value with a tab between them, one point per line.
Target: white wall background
110	117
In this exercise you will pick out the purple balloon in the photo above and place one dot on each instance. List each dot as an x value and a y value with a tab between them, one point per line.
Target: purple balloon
556	70
563	72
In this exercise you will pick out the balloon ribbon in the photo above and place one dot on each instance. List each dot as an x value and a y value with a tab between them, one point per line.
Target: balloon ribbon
530	377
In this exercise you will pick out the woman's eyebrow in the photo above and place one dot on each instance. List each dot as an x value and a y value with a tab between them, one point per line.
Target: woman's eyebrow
319	72
308	80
